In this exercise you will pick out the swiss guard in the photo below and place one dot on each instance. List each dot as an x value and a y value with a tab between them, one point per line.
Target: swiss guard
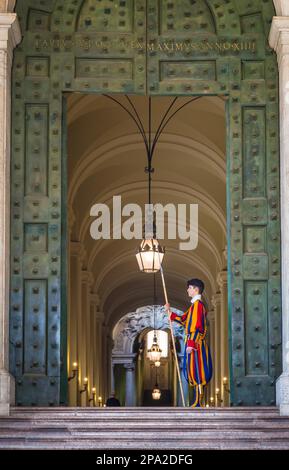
197	367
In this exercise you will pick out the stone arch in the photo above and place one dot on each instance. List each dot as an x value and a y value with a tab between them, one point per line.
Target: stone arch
91	160
132	324
128	334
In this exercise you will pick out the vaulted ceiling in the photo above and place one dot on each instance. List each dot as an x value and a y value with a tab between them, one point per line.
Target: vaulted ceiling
106	157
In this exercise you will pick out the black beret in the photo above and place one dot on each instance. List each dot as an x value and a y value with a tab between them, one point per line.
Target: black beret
196	283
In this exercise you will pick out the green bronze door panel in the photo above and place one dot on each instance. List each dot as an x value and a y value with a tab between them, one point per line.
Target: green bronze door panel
67	46
220	48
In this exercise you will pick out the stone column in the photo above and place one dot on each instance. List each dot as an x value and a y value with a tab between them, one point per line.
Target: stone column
222	281
94	302
129	385
104	362
10	36
112	381
7	6
85	346
279	40
99	316
109	364
93	369
74	303
216	301
211	319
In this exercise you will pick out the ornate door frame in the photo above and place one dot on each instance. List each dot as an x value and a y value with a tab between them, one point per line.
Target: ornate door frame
29	63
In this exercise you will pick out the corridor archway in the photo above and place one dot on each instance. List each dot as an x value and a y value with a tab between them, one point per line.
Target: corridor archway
106	157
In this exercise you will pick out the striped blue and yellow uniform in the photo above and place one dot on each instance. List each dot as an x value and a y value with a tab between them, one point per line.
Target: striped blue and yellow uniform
198	368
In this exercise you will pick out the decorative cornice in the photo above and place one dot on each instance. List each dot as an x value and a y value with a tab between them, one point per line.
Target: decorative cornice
87	277
94	300
279	36
10	34
99	316
211	315
216	300
128	366
123	359
77	249
222	278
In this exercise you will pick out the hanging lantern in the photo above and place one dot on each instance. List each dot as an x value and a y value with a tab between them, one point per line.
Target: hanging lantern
157	363
154	353
150	255
156	393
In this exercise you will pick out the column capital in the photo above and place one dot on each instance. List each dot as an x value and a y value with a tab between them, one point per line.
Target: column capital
222	278
129	366
94	299
216	300
123	358
77	249
10	34
279	36
87	277
211	315
99	316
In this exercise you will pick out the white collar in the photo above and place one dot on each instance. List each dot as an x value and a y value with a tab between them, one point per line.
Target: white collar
196	297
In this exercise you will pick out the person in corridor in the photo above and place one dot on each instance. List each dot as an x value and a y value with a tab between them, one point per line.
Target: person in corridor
198	368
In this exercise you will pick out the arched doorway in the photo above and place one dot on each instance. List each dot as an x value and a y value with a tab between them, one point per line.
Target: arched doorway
112	154
134	375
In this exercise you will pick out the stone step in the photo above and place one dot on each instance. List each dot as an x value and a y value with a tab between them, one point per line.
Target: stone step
144	428
100	413
128	416
155	430
146	442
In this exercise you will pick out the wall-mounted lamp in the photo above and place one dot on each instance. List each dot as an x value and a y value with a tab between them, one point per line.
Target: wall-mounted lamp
74	371
218	397
225	385
92	398
85	383
99	401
